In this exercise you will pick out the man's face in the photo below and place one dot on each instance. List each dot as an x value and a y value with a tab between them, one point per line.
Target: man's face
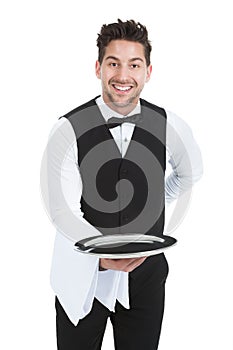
123	74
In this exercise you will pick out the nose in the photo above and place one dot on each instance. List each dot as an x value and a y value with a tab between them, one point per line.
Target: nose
123	73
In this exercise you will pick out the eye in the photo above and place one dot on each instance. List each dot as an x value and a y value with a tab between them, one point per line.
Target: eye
113	64
134	66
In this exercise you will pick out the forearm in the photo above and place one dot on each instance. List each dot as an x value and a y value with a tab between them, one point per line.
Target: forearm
64	185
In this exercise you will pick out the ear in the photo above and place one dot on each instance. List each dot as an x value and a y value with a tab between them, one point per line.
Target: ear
97	70
149	71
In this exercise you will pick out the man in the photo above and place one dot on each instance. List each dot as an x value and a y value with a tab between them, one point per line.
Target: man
129	291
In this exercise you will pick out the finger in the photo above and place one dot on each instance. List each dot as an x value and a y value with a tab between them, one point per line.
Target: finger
115	264
126	264
132	266
123	264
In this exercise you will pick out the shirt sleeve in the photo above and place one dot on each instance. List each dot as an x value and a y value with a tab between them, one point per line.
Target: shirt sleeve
64	184
184	157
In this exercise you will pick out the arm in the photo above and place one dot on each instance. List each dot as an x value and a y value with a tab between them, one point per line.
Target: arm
64	185
184	156
64	193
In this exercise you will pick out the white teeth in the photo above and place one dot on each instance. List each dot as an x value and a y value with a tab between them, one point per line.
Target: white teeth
121	88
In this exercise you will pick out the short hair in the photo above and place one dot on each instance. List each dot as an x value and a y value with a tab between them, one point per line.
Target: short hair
129	30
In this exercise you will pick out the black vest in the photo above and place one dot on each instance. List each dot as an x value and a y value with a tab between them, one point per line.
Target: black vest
122	195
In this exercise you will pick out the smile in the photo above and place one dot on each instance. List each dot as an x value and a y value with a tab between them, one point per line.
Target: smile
122	88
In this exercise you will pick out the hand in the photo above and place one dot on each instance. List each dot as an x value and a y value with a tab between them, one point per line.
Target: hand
126	265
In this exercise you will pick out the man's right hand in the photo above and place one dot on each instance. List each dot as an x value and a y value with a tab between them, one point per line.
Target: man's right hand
126	265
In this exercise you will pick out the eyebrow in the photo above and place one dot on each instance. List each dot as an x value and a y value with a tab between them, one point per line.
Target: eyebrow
131	60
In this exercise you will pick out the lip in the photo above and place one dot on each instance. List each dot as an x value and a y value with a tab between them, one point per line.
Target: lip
122	92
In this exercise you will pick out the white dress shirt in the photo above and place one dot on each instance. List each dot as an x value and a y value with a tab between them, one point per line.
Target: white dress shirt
75	277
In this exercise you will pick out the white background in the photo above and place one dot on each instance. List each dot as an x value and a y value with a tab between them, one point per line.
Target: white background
48	54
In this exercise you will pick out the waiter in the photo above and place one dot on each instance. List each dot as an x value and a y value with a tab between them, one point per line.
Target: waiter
111	179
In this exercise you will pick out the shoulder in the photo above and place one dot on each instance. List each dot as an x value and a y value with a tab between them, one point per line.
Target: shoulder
80	108
145	103
178	124
62	129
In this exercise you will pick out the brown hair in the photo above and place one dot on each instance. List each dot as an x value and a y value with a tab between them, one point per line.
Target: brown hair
129	30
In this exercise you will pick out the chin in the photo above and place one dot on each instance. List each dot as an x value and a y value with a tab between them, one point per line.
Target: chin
121	102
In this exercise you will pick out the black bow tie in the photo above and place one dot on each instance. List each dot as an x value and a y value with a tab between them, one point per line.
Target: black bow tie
113	122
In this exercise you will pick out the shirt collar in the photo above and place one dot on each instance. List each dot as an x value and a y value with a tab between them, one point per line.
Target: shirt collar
108	112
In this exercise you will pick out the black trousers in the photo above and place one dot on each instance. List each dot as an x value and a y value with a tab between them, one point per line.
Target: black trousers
135	329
